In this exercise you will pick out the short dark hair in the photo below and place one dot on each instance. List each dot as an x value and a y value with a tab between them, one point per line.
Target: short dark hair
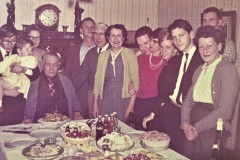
30	28
215	10
210	31
180	23
7	31
155	33
142	31
21	42
117	26
86	19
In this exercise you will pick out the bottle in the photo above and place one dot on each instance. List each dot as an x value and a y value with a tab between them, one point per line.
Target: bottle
217	150
115	121
138	120
99	128
111	123
105	125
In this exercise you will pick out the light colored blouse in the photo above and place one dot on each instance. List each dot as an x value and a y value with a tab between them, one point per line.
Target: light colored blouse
202	90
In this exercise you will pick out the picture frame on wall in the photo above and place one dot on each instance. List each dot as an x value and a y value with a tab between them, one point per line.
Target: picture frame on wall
228	27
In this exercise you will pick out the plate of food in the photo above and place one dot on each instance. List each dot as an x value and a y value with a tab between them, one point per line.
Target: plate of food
53	118
115	142
20	142
42	151
44	133
144	154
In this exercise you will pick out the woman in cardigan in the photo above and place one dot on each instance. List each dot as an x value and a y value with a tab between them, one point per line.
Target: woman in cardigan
212	95
116	69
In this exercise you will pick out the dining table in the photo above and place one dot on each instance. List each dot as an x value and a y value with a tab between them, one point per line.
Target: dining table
21	131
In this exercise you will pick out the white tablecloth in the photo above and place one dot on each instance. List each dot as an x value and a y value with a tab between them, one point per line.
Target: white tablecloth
16	153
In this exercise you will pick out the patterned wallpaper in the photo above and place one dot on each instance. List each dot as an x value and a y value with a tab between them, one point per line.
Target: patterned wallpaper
132	13
169	10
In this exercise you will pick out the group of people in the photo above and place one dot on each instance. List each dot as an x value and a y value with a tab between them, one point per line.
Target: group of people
181	81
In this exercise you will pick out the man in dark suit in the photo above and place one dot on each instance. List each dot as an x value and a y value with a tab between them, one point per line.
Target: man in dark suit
76	56
87	71
13	101
168	115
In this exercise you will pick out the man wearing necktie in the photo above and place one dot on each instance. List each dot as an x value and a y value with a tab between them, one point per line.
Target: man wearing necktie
86	73
56	93
168	115
13	101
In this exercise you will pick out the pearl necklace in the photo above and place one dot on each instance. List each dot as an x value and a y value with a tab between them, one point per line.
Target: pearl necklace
154	66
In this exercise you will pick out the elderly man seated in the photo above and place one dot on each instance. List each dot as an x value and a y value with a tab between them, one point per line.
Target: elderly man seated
51	92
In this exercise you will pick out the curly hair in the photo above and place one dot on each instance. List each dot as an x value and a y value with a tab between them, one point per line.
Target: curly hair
32	28
117	26
210	31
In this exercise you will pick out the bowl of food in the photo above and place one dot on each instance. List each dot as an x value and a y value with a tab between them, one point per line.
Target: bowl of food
75	132
115	142
155	139
42	151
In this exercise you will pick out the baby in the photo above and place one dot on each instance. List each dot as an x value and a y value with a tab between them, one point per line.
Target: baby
24	58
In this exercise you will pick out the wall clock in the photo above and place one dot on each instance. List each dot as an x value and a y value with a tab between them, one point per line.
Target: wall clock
47	17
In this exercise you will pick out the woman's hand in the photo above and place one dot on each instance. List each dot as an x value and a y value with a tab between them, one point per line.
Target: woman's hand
26	120
147	119
129	107
131	89
16	68
189	131
95	110
13	92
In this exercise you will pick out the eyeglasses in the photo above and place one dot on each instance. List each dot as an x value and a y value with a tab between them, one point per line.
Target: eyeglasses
9	41
34	38
98	34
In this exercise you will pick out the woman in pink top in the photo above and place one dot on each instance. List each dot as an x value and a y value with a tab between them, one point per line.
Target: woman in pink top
150	66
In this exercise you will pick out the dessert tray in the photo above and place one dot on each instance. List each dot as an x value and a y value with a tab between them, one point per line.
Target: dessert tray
42	151
115	142
53	118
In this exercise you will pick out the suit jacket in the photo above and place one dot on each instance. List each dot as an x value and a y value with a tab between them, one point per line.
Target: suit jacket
87	71
168	80
72	99
73	63
187	76
72	70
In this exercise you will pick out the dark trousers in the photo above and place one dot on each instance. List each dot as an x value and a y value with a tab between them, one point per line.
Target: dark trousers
143	108
201	147
168	121
13	110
